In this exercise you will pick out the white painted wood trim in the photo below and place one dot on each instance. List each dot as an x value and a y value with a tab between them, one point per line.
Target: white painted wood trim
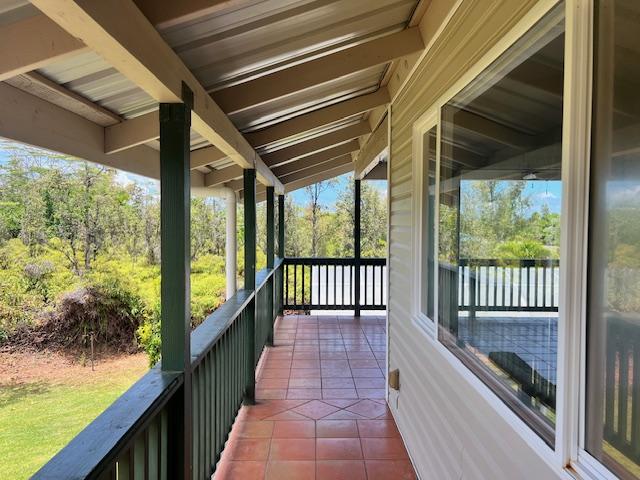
426	122
576	143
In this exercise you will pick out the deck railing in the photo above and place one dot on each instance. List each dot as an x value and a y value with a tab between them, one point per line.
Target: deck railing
508	285
330	284
135	438
622	376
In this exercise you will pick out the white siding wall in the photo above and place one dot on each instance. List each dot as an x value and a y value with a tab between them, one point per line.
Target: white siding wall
451	430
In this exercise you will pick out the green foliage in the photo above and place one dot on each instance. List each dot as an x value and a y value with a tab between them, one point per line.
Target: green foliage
71	233
522	249
496	222
312	230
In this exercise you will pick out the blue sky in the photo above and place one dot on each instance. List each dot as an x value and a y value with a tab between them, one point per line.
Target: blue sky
541	191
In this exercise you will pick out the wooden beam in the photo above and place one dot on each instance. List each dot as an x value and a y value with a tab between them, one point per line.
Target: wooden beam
320	70
119	32
320	177
236	185
205	156
318	118
130	133
377	142
144	128
40	86
316	158
224	175
31	120
166	13
317	144
316	169
33	43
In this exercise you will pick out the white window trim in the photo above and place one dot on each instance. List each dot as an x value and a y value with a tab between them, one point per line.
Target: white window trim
425	123
576	136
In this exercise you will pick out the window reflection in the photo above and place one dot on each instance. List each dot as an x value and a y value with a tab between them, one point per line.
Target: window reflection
499	223
613	338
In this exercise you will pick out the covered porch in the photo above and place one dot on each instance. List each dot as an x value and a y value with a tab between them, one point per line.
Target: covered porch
321	410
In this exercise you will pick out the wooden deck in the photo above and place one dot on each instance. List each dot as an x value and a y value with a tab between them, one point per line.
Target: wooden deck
320	409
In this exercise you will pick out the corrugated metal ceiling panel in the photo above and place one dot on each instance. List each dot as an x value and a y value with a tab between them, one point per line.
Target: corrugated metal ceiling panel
265	36
246	39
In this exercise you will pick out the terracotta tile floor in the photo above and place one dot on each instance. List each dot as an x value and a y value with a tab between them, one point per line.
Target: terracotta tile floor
320	411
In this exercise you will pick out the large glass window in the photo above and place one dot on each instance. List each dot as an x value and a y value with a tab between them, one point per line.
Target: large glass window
613	323
499	212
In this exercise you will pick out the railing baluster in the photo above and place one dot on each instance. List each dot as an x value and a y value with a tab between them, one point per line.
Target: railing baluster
335	285
295	284
303	295
326	284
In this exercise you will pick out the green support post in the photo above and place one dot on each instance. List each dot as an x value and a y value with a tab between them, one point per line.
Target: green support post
271	244
356	246
250	278
280	277
271	234
281	226
175	207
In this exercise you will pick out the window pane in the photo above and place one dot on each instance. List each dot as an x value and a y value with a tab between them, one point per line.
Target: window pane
613	338
499	223
428	221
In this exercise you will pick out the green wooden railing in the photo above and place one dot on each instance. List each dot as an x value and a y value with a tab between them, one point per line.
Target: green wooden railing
132	439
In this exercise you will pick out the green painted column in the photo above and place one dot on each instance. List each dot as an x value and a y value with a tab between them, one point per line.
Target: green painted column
281	226
356	245
250	278
271	233
271	244
175	207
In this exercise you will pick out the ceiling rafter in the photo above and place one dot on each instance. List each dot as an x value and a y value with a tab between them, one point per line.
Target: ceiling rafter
320	70
120	33
166	13
319	168
145	128
316	144
317	118
316	158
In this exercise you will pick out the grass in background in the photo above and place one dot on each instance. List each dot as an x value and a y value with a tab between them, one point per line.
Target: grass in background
39	417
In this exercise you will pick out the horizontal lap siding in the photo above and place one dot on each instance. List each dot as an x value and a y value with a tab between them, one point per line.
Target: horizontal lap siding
451	431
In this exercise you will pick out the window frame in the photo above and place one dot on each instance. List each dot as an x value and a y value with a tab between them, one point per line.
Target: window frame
421	127
569	457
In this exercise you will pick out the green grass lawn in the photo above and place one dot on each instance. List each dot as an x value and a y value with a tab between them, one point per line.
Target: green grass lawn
38	418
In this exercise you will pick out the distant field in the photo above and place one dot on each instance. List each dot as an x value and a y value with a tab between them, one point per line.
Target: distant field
45	400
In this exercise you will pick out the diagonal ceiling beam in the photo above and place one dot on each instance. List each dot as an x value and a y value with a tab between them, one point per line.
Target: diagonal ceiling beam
318	118
322	142
32	43
316	158
119	32
320	70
